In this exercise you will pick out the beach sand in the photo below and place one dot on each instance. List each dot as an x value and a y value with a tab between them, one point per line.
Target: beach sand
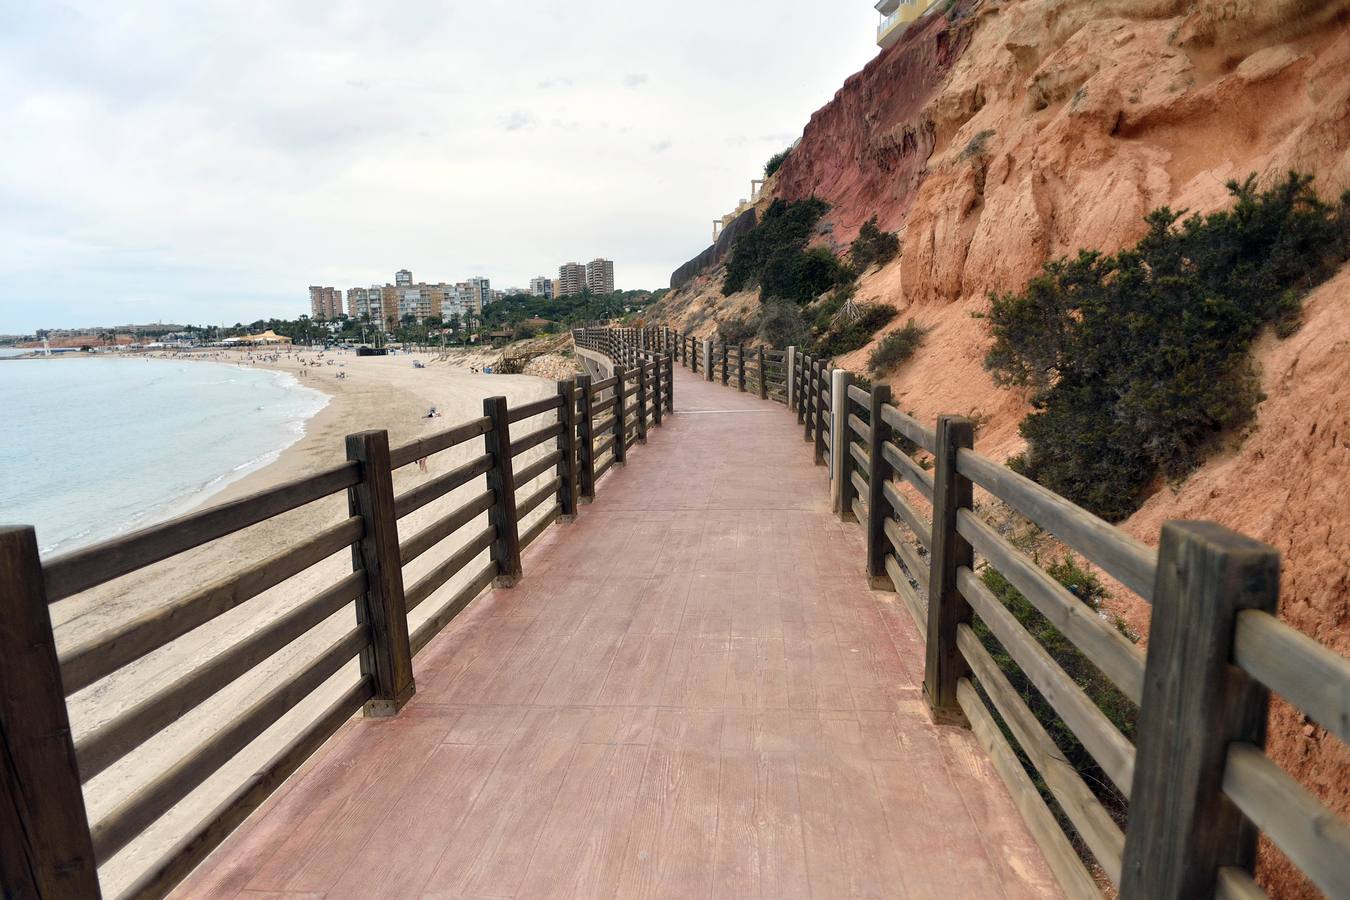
376	393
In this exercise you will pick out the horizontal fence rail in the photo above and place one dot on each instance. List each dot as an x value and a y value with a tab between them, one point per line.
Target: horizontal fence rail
1196	785
516	470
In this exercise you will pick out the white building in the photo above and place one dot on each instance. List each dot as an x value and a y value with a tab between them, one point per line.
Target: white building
542	286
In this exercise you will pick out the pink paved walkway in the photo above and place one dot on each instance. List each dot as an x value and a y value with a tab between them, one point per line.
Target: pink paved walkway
692	693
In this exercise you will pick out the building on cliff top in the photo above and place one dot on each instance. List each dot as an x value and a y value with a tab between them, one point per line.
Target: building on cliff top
896	16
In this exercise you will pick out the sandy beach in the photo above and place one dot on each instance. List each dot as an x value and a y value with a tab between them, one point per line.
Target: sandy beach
374	393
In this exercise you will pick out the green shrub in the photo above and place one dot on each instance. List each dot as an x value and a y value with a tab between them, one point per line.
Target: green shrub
896	348
775	163
1140	361
1100	690
735	330
873	246
773	255
781	324
847	335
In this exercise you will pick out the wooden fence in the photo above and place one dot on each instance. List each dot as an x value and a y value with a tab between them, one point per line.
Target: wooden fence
48	846
1199	786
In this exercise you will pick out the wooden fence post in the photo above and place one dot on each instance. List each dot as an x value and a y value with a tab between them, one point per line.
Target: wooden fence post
726	358
502	481
641	403
585	440
763	377
740	368
808	397
708	360
1196	703
790	363
947	609
658	389
620	430
842	465
45	847
567	445
878	507
823	381
670	384
388	659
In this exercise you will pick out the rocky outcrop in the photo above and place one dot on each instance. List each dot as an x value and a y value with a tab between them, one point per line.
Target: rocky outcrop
717	252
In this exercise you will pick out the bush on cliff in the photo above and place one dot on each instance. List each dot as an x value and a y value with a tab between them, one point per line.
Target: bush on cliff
852	332
1139	361
896	348
873	247
773	255
775	163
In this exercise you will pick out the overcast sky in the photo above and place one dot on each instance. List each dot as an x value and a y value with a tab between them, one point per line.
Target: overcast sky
207	160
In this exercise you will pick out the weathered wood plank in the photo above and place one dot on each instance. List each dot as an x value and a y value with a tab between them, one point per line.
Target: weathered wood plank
1119	554
82	569
383	609
427	585
141	809
947	607
412	500
1108	649
922	528
1099	831
109	742
1182	828
434	443
1308	833
910	428
101	655
452	607
176	863
502	483
45	845
533	409
1312	677
1059	853
1090	725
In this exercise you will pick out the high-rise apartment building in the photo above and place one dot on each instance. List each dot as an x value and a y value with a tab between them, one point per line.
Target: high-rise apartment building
600	276
542	286
571	278
403	278
484	288
324	302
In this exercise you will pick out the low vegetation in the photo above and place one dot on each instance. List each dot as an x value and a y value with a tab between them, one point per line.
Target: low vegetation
1140	361
806	293
873	247
1084	585
773	255
895	349
775	163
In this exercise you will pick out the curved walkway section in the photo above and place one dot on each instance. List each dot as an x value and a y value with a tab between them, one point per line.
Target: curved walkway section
692	693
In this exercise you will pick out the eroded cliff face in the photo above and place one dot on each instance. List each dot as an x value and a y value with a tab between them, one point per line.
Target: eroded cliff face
1012	133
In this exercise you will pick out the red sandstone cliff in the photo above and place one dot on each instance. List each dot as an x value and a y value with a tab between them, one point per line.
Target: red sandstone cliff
1014	132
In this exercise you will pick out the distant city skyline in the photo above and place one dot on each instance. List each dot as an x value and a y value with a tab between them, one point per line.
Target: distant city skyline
205	162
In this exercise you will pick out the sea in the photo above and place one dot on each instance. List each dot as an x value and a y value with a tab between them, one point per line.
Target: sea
93	448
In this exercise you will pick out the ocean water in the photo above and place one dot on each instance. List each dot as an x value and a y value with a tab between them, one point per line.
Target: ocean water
91	448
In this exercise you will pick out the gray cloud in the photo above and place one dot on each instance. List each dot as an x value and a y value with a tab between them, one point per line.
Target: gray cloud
518	120
636	79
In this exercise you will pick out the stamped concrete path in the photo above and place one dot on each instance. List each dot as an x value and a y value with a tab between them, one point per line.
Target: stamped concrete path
692	693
